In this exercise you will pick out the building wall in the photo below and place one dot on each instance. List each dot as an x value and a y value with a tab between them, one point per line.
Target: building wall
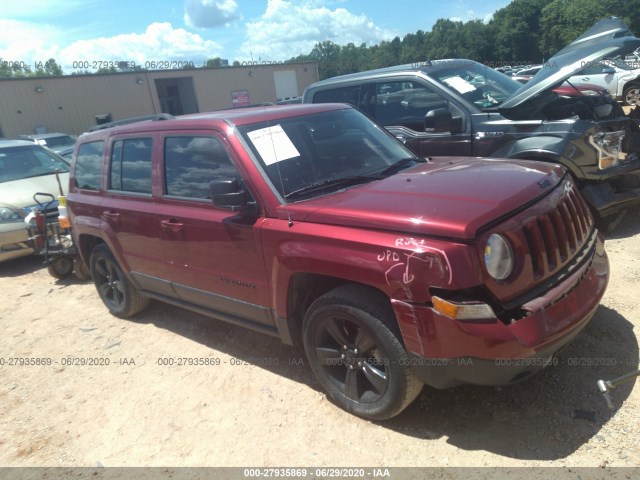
69	104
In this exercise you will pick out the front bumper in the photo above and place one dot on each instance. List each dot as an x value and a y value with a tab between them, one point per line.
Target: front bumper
445	352
615	194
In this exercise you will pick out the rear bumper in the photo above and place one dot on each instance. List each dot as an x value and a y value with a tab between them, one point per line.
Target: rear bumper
445	352
13	241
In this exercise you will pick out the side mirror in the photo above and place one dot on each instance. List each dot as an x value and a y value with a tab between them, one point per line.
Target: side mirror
608	70
438	121
226	193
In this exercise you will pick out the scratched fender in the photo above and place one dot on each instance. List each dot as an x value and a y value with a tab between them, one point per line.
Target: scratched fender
422	262
401	267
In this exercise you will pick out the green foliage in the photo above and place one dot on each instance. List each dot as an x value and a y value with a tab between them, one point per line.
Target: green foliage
564	20
213	62
523	32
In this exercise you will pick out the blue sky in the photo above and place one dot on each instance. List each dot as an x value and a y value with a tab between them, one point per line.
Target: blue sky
195	30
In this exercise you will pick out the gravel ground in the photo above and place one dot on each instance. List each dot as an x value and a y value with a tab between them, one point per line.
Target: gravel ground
249	412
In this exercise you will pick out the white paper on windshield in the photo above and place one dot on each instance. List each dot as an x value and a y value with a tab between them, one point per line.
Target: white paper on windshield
273	144
460	84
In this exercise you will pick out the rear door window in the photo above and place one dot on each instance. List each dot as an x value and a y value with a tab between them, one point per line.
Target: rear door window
349	95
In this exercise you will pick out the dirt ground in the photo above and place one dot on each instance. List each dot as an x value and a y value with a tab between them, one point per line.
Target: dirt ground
130	410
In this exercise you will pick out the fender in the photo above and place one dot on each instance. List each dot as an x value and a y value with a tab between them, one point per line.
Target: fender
542	148
98	228
395	264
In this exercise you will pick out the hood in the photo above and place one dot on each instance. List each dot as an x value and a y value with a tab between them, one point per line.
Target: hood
18	194
608	38
447	197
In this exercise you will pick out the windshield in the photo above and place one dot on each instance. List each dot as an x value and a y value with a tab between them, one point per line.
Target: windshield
331	150
481	85
28	161
61	141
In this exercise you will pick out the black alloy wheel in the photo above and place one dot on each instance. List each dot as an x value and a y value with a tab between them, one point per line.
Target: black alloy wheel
116	291
354	350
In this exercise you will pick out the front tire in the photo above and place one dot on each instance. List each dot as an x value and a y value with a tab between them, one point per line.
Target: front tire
353	347
116	291
631	95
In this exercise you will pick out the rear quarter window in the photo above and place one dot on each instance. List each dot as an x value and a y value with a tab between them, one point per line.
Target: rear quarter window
349	95
89	166
130	168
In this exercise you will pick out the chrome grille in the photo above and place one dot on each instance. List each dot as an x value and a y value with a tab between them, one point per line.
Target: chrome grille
556	236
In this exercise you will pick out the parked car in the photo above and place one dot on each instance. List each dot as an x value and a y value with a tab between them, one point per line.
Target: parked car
461	107
617	76
530	71
53	141
66	153
526	74
580	90
25	169
313	224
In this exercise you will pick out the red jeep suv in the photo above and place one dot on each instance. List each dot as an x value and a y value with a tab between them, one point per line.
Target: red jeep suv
314	224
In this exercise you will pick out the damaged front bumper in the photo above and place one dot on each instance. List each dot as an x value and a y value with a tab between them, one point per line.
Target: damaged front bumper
444	352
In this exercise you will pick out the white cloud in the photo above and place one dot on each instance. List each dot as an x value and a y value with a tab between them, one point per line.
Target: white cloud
288	29
27	42
160	41
210	13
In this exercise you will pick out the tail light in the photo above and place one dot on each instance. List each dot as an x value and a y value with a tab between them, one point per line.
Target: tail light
63	216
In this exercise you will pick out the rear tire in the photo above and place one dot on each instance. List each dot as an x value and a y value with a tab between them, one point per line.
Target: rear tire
354	349
61	267
116	291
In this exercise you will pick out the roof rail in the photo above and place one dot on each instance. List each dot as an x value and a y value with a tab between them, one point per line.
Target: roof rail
126	121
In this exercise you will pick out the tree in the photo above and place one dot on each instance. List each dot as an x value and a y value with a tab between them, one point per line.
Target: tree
213	62
50	68
563	21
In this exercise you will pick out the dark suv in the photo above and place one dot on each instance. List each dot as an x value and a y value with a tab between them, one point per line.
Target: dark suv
461	107
313	224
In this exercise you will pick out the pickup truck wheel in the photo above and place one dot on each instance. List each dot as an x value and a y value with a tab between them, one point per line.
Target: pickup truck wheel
631	95
116	291
349	339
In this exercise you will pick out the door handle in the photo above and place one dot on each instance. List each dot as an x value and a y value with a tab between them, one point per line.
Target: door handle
585	79
110	215
172	225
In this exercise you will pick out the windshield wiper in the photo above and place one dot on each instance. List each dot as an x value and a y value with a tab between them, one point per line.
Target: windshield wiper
351	180
355	179
396	166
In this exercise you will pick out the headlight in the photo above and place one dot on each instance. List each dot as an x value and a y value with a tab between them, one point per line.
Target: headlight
9	216
498	257
609	147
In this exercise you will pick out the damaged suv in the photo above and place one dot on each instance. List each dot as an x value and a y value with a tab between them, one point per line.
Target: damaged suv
461	107
314	224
